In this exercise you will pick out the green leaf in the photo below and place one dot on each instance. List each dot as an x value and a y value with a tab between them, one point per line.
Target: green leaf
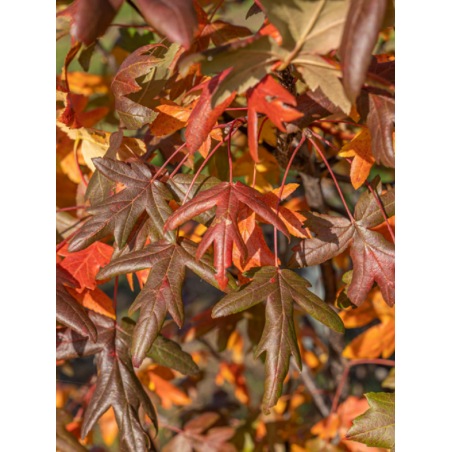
170	354
376	427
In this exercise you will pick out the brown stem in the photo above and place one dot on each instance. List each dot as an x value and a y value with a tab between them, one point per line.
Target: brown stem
314	391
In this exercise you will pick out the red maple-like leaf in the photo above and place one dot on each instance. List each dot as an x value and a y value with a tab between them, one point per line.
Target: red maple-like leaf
224	231
270	98
203	117
84	265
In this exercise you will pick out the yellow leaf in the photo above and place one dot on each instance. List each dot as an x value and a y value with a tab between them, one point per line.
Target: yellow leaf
268	133
95	143
69	167
88	84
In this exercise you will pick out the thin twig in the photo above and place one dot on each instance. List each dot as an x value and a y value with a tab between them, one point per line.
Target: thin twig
340	122
178	166
275	232
215	10
135	7
314	391
157	174
383	362
334	179
205	162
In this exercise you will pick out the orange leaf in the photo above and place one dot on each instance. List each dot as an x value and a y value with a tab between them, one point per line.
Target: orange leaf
233	374
88	84
360	148
171	117
259	254
355	318
84	265
96	300
108	427
168	393
205	147
293	220
383	229
376	341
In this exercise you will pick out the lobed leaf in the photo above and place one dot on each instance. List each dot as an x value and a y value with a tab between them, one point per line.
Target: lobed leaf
279	340
224	231
69	311
372	255
120	213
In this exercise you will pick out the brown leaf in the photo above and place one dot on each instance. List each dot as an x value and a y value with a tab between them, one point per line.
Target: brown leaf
132	114
93	17
364	20
176	19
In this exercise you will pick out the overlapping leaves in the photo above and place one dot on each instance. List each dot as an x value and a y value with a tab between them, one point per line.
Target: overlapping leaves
224	231
117	384
69	311
118	214
162	292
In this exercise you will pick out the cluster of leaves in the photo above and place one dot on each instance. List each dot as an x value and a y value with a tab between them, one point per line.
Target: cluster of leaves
177	86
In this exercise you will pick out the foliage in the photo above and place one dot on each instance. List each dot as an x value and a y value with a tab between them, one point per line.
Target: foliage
176	167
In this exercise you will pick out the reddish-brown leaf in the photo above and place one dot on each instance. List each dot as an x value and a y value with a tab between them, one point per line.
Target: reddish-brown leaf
222	32
176	19
139	63
224	230
372	255
93	17
360	35
203	117
68	311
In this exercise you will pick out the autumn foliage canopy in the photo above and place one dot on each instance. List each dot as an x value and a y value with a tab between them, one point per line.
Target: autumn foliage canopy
225	225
